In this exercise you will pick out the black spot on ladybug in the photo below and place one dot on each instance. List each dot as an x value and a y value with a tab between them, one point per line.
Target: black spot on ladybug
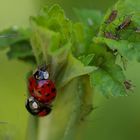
53	90
48	84
48	94
40	92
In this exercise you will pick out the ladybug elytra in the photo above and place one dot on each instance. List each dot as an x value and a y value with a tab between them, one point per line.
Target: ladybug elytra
42	90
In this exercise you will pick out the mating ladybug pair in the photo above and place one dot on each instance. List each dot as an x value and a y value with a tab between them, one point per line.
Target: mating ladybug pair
42	92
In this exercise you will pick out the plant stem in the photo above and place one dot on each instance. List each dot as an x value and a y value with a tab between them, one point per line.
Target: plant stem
73	104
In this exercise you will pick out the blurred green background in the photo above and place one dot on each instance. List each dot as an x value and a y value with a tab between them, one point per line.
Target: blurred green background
115	119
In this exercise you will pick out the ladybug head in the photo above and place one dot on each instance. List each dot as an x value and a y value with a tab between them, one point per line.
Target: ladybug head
41	73
36	108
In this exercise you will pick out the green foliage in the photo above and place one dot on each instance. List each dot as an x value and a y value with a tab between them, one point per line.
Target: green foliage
90	21
128	41
109	80
73	69
86	59
90	18
82	56
13	35
18	42
53	19
55	39
60	42
53	44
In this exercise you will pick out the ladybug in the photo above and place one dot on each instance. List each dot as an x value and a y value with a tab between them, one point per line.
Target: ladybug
37	108
41	88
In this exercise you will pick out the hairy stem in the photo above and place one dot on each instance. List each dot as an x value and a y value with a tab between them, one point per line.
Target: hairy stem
73	104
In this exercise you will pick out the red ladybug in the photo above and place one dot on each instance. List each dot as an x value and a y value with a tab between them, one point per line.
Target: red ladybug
40	87
37	108
42	90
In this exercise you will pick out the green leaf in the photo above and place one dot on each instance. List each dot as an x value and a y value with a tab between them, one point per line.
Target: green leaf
51	32
17	40
43	43
127	40
90	21
78	39
74	68
13	35
90	18
129	50
86	60
21	50
54	20
109	80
